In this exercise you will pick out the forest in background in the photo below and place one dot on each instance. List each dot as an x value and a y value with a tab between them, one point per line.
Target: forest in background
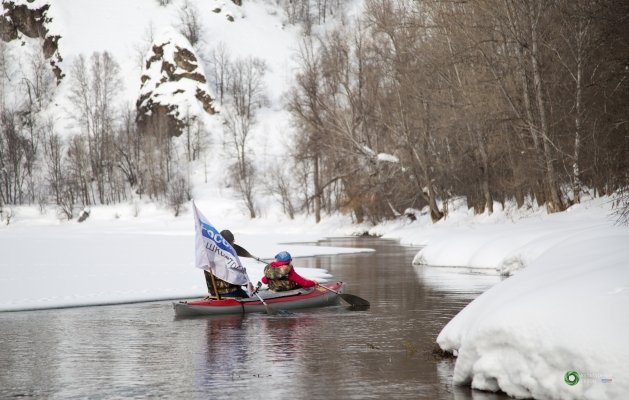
490	100
414	104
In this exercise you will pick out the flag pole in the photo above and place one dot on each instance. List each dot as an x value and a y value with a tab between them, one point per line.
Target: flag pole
218	295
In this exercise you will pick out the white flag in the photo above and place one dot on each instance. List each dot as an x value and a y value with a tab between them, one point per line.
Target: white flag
215	254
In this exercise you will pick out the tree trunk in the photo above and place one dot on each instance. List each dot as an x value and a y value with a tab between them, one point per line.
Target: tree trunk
317	190
554	202
489	203
577	139
577	119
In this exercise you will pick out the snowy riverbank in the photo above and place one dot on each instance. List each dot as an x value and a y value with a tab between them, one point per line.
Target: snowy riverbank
563	314
567	311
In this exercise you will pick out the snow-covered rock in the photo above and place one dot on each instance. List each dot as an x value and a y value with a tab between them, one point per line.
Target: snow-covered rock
174	86
30	18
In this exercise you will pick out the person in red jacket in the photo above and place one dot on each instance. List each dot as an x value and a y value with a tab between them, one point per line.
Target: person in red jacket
280	274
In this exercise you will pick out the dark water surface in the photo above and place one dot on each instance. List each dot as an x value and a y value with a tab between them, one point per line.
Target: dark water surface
142	351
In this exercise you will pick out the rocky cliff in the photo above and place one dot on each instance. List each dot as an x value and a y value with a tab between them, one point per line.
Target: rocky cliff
29	18
173	87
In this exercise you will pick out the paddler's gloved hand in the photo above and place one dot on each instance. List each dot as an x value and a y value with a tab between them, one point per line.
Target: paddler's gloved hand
258	286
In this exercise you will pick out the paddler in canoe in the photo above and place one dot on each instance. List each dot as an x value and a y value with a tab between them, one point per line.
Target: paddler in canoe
280	275
224	288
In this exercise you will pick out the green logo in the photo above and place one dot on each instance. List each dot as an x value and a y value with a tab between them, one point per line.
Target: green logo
571	378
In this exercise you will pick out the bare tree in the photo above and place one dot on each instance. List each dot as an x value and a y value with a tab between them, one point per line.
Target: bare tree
93	95
309	12
279	184
26	89
15	157
414	94
75	187
305	105
128	145
53	156
246	95
18	152
142	48
219	64
178	194
190	24
194	135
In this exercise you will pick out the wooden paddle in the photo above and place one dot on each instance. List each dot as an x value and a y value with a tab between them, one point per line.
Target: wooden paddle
351	299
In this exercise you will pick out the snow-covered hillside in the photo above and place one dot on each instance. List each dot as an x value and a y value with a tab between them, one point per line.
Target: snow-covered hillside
117	61
128	29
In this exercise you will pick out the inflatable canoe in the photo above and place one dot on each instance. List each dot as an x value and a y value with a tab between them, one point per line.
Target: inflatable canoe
278	301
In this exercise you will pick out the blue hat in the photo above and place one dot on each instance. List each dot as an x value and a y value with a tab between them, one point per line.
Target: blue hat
283	256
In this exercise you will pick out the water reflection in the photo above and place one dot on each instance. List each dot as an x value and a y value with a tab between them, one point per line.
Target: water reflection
286	338
141	350
223	351
463	282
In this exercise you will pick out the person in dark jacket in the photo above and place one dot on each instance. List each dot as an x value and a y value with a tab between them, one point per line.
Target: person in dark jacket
223	288
281	276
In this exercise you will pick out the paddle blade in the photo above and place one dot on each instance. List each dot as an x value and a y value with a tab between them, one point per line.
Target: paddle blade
354	301
269	310
241	251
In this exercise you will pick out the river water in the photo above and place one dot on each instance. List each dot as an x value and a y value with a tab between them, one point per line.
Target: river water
142	351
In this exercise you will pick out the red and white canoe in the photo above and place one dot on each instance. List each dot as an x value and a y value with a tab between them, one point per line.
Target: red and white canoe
279	301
